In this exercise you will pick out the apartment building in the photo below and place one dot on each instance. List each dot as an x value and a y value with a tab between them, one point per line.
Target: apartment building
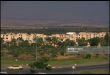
70	35
86	35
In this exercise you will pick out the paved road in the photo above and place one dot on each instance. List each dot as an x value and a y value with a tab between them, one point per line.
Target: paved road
65	70
79	68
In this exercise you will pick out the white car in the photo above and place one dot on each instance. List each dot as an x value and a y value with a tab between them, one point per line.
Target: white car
53	67
3	73
15	67
41	73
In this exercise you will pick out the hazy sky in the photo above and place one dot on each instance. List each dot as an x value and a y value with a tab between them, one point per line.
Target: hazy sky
94	11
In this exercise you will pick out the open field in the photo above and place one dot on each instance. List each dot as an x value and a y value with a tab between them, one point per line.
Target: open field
79	62
61	62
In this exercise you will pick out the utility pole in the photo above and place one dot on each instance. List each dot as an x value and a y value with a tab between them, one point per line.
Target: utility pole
36	52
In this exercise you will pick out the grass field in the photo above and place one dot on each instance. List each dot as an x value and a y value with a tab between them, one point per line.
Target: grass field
79	62
61	62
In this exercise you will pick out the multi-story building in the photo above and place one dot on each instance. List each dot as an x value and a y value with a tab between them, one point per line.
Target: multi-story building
7	37
70	35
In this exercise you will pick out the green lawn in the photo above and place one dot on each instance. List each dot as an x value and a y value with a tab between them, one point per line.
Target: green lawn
79	62
14	62
61	62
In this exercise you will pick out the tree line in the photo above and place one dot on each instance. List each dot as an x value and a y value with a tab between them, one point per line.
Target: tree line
50	45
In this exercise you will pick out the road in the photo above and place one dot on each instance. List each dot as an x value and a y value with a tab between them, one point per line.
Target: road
67	70
64	70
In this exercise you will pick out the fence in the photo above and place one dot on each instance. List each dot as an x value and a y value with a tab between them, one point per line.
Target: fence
88	50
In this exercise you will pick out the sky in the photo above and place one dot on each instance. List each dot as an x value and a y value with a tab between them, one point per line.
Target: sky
92	11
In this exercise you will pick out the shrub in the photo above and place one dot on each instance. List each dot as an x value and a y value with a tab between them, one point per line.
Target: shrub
38	65
88	56
97	55
62	52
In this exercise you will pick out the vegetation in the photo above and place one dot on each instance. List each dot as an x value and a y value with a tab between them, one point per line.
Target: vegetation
87	56
68	42
106	39
39	64
50	48
82	42
92	61
94	41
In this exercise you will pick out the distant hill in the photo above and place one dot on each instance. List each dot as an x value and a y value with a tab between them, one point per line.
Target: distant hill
50	26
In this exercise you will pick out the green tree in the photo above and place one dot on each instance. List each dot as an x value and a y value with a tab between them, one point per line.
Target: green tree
24	43
62	51
53	52
102	42
48	39
68	42
39	42
39	65
13	42
54	40
2	41
60	44
106	39
94	41
82	42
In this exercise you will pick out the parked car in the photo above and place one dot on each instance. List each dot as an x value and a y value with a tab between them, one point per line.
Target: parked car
49	67
3	73
15	67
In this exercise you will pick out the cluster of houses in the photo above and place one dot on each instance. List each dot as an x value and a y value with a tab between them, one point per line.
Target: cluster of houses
7	37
